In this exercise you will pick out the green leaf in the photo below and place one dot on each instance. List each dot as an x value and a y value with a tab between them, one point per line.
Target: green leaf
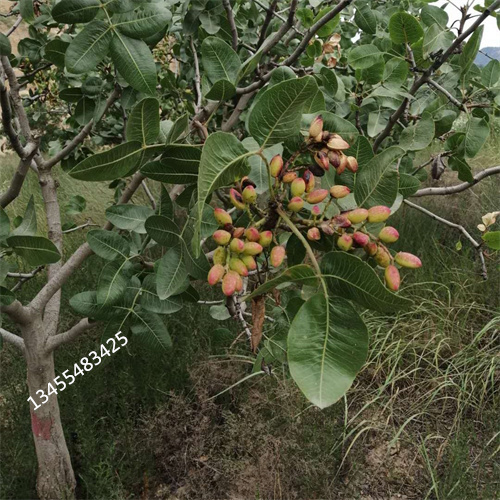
365	19
109	165
462	167
408	185
71	94
76	205
476	133
404	28
144	21
436	39
84	111
171	275
418	136
35	250
277	115
108	245
143	123
112	284
258	168
491	74
164	231
85	304
492	239
150	301
166	206
5	47
430	15
301	274
221	91
327	29
395	71
134	62
150	331
327	347
377	120
364	56
349	277
4	224
28	225
470	50
377	182
89	47
55	52
129	217
26	10
220	61
223	159
75	11
179	165
178	130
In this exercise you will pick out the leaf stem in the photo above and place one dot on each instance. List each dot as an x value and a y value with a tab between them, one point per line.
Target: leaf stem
269	176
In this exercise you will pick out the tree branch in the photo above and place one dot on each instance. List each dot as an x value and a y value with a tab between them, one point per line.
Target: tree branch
17	313
271	11
55	341
462	229
232	24
12	339
459	187
443	91
197	78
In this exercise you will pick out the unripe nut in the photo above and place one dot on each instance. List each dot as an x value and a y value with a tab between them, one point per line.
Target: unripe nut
289	177
277	256
316	127
309	180
238	232
345	242
382	257
237	265
236	199
317	196
321	158
215	274
339	191
237	245
313	234
222	217
371	248
252	234
220	256
249	195
298	187
252	248
405	259
357	215
337	143
352	164
249	262
380	213
361	239
276	165
315	210
388	234
392	278
221	237
296	204
230	282
265	238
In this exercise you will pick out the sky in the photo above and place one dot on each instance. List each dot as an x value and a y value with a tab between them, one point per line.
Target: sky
491	33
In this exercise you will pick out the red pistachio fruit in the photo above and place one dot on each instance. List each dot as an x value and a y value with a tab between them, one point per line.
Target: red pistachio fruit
371	248
222	217
339	191
289	177
309	180
360	238
405	259
238	232
313	234
337	143
342	165
265	238
345	242
276	165
237	265
277	256
317	196
383	257
215	274
298	187
249	195
392	278
221	237
322	160
316	210
220	255
230	282
237	245
252	234
388	234
334	157
316	127
252	248
296	204
357	215
380	213
341	221
249	262
236	199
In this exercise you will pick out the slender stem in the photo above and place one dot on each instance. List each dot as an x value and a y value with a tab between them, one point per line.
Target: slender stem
269	176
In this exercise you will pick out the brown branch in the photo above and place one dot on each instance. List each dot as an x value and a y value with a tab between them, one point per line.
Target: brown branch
12	339
17	313
232	24
24	277
197	78
7	120
443	91
55	341
14	27
433	191
240	107
271	11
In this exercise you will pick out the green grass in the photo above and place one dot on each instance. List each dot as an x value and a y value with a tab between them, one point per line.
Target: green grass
420	419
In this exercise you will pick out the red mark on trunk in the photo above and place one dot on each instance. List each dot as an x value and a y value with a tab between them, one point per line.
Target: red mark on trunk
41	426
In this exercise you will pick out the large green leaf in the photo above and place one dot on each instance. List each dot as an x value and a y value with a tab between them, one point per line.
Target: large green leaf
113	282
5	47
84	111
470	50
418	136
129	217
258	168
164	231
408	184
221	91
327	347
462	167
220	61
109	165
377	182
108	245
134	62
179	165
28	225
349	277
27	10
404	28
365	18
35	250
150	330
223	159
75	11
476	133
171	275
436	39
301	274
55	52
148	19
178	130
364	56
276	116
143	123
89	47
430	15
491	74
150	301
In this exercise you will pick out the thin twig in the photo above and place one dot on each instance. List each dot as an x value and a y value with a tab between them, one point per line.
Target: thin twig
149	194
23	277
232	24
13	339
83	226
197	77
443	91
14	27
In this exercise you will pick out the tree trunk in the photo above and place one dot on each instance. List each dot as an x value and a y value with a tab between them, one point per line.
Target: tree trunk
55	480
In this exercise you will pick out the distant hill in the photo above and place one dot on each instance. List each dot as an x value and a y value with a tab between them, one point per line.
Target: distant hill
482	60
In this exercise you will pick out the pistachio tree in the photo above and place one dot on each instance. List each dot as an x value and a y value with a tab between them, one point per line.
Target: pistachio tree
273	139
